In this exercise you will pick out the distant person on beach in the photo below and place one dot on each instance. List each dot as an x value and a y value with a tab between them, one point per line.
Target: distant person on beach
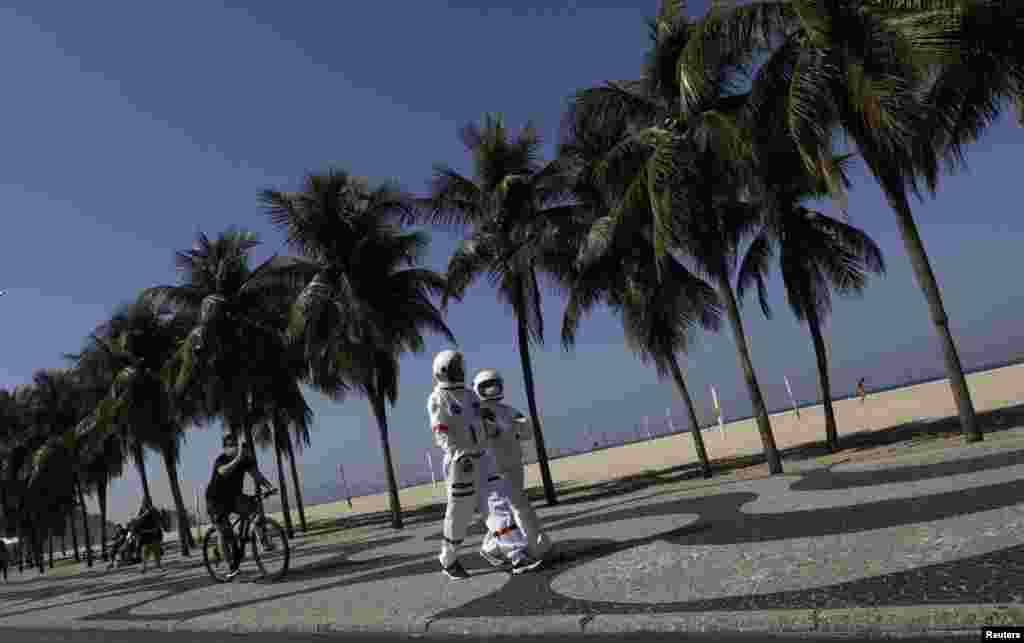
861	392
505	428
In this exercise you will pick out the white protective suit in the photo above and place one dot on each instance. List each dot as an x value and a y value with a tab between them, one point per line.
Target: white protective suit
503	437
470	472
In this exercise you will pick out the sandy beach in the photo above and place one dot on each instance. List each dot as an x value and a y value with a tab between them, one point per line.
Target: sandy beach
990	390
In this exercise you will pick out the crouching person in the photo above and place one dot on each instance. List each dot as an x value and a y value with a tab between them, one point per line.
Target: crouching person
505	428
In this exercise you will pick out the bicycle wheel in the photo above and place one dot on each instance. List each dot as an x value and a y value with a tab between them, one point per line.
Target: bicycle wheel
215	556
270	549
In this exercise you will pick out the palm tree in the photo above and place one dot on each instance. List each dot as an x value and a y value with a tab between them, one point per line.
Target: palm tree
236	348
284	410
657	314
9	430
512	194
140	340
816	253
279	434
301	440
47	463
103	455
365	303
56	410
233	349
686	167
100	363
864	68
22	438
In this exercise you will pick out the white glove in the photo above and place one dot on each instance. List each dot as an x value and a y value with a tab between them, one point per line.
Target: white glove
491	429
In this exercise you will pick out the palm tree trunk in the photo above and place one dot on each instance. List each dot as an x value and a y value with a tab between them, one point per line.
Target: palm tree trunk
531	402
37	545
281	484
764	426
814	324
21	546
377	404
85	525
101	498
140	464
897	199
295	484
74	535
50	532
184	531
698	439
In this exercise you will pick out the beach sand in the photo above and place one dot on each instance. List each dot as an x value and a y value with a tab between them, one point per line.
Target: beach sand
990	390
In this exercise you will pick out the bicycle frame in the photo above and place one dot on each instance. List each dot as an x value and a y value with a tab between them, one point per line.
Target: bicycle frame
243	525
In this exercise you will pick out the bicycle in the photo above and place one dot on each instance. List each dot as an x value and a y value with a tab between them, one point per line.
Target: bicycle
270	547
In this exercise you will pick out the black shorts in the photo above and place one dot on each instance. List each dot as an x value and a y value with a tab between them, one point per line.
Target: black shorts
243	505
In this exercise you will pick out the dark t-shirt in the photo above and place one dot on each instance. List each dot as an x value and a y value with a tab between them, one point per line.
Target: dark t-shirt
223	490
149	528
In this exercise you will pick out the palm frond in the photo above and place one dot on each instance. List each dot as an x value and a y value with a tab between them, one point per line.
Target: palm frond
753	270
469	261
454	199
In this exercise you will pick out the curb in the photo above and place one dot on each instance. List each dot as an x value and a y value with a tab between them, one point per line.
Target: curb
955	621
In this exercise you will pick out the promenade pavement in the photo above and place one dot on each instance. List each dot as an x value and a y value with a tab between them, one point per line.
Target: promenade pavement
928	538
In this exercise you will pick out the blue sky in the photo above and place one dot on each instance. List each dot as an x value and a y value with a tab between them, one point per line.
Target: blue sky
128	127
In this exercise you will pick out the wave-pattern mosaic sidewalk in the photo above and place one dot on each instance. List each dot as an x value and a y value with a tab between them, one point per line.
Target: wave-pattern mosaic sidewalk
927	538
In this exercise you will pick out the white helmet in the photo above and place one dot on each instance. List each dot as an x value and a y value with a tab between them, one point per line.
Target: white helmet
448	368
488	385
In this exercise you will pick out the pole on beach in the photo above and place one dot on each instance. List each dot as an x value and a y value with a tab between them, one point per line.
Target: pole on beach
796	409
668	417
430	466
647	427
718	409
341	474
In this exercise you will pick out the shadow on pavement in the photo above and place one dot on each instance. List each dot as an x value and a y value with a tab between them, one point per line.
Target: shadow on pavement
821	480
980	579
996	577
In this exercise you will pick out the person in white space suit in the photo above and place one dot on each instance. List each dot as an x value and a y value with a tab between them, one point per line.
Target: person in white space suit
505	428
471	474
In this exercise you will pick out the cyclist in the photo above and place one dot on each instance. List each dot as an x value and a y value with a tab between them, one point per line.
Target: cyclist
224	494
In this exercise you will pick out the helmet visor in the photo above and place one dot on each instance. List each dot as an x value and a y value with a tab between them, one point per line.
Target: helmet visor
455	370
491	388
